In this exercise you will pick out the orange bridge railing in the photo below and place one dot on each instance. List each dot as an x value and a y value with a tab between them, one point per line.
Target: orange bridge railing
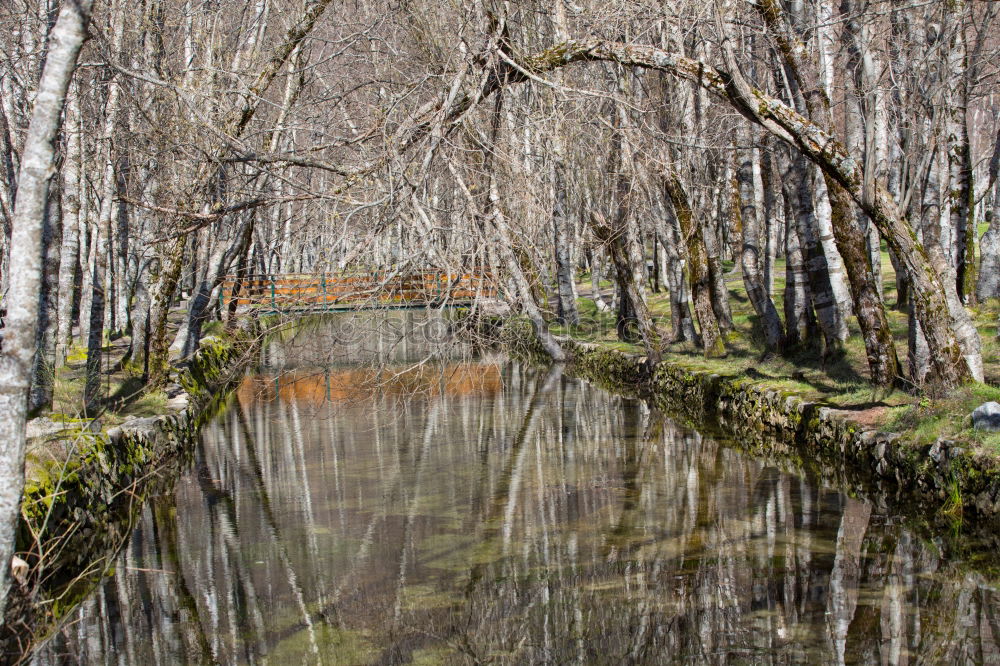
355	290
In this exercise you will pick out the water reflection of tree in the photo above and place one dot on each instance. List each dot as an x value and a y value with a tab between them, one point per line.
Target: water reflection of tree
548	521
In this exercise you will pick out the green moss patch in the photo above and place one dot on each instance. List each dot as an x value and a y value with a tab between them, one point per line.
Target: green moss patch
952	468
84	490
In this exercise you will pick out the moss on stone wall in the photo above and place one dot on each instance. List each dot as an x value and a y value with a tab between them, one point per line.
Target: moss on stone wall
765	421
84	492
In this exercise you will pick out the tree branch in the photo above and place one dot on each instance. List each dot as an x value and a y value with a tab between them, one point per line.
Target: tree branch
217	212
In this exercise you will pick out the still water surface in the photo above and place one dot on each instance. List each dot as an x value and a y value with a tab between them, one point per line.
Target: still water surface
400	504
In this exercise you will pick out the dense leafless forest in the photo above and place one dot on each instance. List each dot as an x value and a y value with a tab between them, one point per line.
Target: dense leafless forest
150	149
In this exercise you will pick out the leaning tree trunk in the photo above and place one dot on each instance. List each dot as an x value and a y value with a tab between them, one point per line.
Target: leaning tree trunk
218	266
523	287
38	158
880	348
952	347
853	234
630	290
233	126
814	85
495	213
492	213
697	265
866	126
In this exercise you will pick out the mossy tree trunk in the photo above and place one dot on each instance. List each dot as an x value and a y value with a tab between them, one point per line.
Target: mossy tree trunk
682	325
232	126
25	266
171	263
954	355
631	296
880	348
814	85
697	267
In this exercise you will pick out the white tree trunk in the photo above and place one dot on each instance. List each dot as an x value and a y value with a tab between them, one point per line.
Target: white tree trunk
72	191
99	283
36	171
834	263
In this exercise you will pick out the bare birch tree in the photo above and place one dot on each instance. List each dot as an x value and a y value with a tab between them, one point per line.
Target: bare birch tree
27	239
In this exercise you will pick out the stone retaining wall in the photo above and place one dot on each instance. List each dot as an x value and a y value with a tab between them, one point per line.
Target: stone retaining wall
84	491
764	421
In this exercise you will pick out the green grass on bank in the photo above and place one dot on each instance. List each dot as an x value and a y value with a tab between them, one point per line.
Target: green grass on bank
839	381
124	393
926	419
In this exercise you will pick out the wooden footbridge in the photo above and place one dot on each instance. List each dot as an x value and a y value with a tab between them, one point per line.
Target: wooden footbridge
355	290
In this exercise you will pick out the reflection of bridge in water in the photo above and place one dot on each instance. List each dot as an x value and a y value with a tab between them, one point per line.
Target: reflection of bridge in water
354	290
317	386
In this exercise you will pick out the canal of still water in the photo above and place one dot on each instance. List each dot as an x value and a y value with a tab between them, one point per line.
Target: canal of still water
378	493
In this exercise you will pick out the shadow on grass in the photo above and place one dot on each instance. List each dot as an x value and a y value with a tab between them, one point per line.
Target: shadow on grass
128	391
835	365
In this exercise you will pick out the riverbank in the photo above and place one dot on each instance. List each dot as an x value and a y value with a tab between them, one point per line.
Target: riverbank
836	378
418	508
85	485
952	476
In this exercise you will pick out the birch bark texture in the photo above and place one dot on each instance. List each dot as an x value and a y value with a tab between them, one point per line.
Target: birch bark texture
954	349
34	178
